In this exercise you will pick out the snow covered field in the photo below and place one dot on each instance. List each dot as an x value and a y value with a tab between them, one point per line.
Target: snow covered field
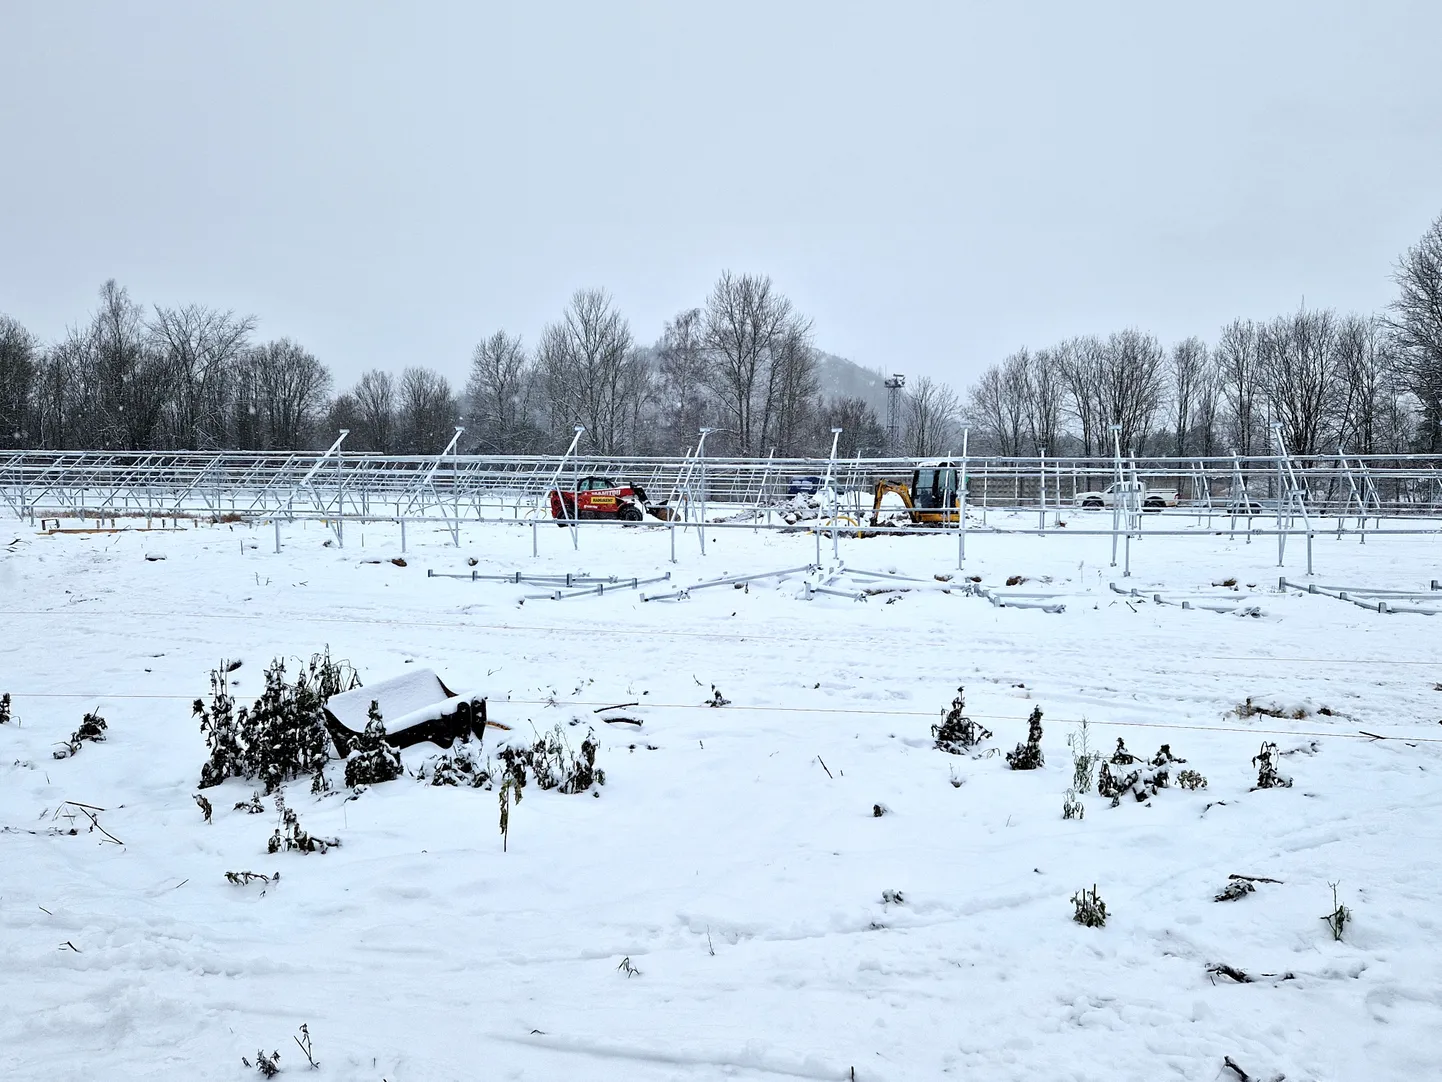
733	855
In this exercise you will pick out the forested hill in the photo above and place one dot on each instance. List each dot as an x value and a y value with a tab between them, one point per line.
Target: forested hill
840	378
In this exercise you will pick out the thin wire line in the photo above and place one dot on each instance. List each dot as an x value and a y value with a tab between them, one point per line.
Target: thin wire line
840	710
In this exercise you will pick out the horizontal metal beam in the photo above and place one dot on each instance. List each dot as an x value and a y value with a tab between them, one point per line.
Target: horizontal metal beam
478	487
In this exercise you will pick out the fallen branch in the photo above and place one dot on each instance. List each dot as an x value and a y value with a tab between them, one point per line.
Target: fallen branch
1230	1064
618	706
96	823
623	721
1221	970
1254	878
242	878
1217	969
822	761
89	810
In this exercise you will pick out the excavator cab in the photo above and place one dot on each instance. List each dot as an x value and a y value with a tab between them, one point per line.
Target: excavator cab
934	488
932	498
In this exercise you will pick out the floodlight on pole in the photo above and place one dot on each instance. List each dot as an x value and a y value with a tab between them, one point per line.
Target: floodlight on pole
893	387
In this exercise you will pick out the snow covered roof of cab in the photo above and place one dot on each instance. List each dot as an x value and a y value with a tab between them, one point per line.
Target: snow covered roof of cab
401	695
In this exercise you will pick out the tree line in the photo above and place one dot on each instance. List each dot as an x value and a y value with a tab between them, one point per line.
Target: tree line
744	364
1363	383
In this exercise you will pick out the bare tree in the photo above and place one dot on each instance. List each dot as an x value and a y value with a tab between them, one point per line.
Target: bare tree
1208	413
1004	404
681	370
1368	373
791	387
1045	391
56	392
988	411
1397	418
499	391
103	386
643	403
758	349
1297	363
1078	361
245	427
1130	385
588	370
861	430
343	412
1189	370
427	411
198	347
19	351
1239	377
640	393
931	413
122	377
375	405
291	386
1416	322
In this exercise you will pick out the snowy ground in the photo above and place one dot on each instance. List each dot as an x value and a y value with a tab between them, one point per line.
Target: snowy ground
741	876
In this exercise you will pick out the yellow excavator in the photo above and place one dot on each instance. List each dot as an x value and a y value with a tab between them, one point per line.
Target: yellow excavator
932	499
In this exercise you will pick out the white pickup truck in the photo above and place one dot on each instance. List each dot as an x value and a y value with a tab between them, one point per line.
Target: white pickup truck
1119	492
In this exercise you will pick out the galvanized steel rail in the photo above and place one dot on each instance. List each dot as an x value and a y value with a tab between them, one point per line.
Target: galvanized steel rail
337	485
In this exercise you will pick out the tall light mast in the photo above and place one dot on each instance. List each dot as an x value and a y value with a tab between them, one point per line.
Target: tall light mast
893	412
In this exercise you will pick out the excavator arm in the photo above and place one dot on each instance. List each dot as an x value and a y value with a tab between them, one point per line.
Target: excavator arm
884	488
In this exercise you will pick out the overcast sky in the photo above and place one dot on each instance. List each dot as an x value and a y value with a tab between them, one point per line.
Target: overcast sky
935	184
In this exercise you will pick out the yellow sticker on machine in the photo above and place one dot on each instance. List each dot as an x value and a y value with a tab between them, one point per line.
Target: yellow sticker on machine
607	501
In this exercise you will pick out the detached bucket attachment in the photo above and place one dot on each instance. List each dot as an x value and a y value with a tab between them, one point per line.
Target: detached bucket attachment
414	707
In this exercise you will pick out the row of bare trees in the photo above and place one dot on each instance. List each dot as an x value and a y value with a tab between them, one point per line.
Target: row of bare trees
192	377
743	364
183	377
416	414
1329	381
177	377
1367	384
